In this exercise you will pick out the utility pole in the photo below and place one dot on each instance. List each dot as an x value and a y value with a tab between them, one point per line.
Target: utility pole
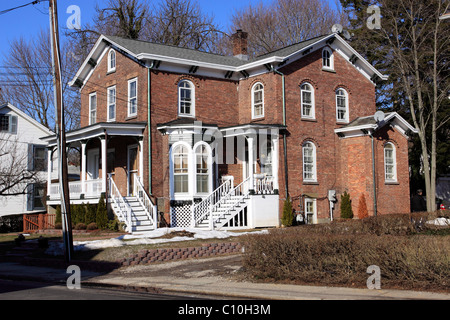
60	133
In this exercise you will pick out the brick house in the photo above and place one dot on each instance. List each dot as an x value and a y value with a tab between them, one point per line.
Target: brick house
195	139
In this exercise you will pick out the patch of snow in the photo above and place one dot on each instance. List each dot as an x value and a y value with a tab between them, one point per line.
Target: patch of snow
440	222
149	237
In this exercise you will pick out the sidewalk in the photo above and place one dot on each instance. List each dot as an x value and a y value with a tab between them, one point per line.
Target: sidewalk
143	279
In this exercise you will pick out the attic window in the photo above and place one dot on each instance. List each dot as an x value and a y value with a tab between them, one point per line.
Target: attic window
327	59
8	123
111	60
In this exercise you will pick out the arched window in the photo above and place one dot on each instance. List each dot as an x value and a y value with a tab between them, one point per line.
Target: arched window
186	98
258	101
307	101
203	168
341	105
390	163
309	162
111	60
180	169
327	59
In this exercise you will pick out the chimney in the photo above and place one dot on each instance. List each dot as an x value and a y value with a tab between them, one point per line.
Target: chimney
239	40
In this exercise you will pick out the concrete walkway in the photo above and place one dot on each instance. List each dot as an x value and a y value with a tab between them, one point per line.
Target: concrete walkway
140	279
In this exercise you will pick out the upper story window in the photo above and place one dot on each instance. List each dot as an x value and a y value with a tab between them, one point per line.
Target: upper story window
8	123
309	162
132	97
111	103
390	163
327	59
342	105
186	98
307	101
111	60
93	108
258	101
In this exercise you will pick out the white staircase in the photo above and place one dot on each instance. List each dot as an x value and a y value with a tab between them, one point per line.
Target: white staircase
225	207
137	212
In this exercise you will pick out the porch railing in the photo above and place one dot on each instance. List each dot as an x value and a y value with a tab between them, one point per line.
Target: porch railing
123	208
263	184
92	188
146	203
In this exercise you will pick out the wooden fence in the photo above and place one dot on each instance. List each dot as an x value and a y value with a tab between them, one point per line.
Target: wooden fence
35	222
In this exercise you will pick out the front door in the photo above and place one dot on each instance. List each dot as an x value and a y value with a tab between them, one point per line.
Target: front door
132	168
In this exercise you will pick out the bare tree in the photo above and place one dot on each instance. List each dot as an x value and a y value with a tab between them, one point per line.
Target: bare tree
284	22
26	80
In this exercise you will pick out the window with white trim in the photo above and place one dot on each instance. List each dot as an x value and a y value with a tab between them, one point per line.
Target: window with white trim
310	211
8	123
111	103
132	97
341	105
307	101
93	108
309	162
111	60
327	59
202	156
258	101
186	98
390	163
181	169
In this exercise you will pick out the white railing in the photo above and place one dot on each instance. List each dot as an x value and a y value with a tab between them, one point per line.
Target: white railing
263	184
123	208
93	189
234	198
203	208
146	203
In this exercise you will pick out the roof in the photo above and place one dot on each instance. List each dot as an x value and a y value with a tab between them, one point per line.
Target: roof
178	59
23	115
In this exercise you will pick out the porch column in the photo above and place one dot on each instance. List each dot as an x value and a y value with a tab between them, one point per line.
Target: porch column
104	170
275	161
83	167
250	164
141	160
49	170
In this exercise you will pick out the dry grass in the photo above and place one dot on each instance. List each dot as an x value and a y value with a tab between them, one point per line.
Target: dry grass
339	254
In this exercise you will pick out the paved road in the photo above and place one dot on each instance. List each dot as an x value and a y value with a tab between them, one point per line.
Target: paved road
28	290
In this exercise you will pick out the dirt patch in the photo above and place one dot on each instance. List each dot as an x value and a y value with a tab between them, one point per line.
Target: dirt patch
182	233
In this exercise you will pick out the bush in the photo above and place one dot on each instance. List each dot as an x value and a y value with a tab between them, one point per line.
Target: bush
362	207
102	214
288	214
91	214
92	226
346	206
80	226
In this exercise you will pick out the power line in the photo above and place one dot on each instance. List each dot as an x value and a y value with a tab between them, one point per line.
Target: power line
24	5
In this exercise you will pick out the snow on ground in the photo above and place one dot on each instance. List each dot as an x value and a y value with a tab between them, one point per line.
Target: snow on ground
150	237
440	222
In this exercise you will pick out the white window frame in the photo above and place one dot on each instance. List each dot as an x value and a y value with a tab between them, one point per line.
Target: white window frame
111	103
92	111
12	123
112	56
313	202
312	114
181	101
387	176
327	59
314	163
209	167
254	90
131	98
346	110
187	174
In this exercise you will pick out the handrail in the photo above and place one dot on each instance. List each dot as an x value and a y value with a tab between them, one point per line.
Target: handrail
145	201
124	208
202	209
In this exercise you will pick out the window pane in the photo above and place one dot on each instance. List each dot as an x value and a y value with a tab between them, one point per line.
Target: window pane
181	183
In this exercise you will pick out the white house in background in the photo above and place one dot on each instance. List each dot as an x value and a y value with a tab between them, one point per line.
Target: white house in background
22	149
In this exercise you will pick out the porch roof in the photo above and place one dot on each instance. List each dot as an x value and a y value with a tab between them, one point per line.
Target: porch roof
100	129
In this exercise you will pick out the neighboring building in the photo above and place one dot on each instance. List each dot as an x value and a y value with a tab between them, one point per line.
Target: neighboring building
195	135
22	154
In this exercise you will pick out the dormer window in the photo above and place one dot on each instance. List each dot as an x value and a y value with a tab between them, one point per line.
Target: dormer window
186	99
111	60
327	59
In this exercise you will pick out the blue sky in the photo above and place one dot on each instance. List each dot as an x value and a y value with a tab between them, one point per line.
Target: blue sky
28	21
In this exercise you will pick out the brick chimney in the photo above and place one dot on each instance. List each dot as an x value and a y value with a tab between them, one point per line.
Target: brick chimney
239	40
